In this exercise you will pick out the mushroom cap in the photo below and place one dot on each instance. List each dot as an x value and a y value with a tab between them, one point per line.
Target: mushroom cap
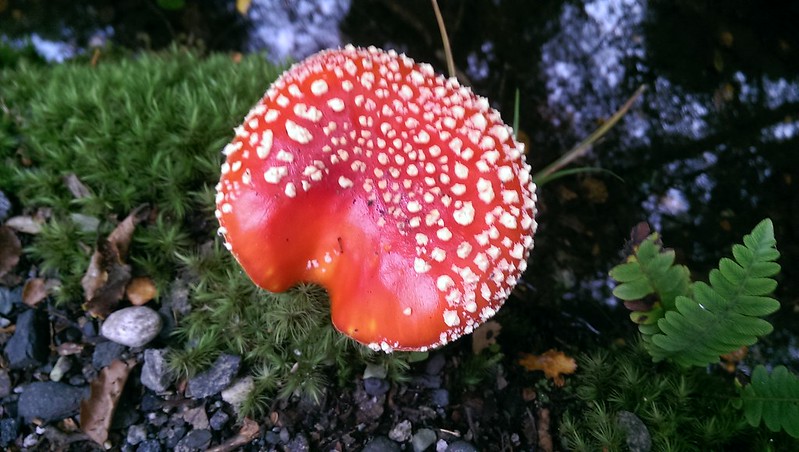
398	190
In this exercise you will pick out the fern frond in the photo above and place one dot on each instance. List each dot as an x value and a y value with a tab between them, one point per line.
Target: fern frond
649	284
724	315
774	399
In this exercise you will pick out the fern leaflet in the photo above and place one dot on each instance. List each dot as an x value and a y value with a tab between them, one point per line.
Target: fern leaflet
649	284
774	399
724	315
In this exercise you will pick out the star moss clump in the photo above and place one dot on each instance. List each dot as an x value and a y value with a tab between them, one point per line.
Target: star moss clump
147	129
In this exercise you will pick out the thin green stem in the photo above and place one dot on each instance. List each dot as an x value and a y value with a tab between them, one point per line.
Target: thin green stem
584	146
444	39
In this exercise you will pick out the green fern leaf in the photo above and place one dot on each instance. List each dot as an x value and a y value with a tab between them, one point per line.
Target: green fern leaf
651	271
724	315
773	399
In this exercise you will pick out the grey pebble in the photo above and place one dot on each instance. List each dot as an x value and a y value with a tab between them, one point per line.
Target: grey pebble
461	446
298	444
196	440
9	429
154	372
134	326
375	386
423	439
440	397
136	434
215	379
435	364
29	346
105	353
219	420
150	445
381	444
50	401
401	432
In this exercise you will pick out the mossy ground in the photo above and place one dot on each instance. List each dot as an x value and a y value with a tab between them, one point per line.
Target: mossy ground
147	129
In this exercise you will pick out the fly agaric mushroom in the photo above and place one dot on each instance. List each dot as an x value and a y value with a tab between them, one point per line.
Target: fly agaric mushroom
400	191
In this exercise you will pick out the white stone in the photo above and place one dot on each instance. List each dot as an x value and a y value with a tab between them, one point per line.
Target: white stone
134	326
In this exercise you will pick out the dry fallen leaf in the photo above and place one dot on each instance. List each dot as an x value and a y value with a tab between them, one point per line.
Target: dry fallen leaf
249	431
730	361
242	6
140	290
97	411
485	336
552	362
25	223
76	187
107	276
37	289
10	249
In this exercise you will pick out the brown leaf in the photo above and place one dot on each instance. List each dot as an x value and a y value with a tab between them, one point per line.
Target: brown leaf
544	438
242	6
107	276
552	362
249	431
37	289
140	290
25	223
10	249
76	187
97	411
485	336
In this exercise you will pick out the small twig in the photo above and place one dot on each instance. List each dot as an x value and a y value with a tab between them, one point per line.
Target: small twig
444	39
583	147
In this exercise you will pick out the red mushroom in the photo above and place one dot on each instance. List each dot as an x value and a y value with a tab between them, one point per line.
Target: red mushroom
400	191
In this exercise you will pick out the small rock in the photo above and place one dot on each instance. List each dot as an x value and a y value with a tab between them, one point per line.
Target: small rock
105	353
30	441
375	386
381	444
136	434
172	435
8	298
157	419
5	383
236	393
150	445
197	417
638	437
155	373
5	206
423	439
9	429
150	402
401	432
461	446
28	347
298	444
427	381
134	326
215	379
61	367
219	420
50	401
440	397
435	364
196	440
272	437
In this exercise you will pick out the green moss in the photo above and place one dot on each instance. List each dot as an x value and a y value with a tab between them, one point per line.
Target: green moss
683	409
148	129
